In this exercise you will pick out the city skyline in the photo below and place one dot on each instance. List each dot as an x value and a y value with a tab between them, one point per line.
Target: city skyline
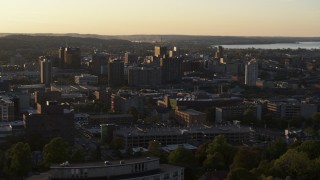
188	17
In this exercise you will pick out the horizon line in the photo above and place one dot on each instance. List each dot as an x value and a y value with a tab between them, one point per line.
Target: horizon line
202	35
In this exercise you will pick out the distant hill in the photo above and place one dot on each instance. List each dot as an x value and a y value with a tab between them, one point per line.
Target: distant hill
10	42
184	38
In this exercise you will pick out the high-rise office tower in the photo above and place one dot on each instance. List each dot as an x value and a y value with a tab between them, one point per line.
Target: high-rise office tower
61	57
219	52
46	71
99	63
130	58
171	70
251	73
160	51
116	73
72	57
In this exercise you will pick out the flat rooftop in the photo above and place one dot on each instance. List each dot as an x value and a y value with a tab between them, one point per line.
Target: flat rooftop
110	163
219	129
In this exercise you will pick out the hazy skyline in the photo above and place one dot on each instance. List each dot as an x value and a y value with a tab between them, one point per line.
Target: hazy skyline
189	17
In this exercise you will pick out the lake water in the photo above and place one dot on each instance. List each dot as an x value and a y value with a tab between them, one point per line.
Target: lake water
302	45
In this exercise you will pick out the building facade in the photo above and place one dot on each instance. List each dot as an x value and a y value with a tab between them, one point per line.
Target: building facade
6	109
86	79
171	70
72	57
189	117
133	169
116	73
138	137
46	71
251	73
51	120
141	76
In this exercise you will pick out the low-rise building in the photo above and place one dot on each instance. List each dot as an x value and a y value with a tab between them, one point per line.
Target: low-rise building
50	120
189	117
133	169
138	137
86	79
6	109
233	112
291	108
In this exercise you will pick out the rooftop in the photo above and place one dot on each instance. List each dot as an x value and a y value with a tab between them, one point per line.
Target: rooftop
108	163
222	129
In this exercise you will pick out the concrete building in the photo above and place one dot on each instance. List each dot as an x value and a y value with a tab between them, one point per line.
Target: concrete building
160	51
51	120
116	73
130	169
130	58
142	76
122	101
46	72
291	108
72	57
118	119
99	64
251	73
233	112
43	97
61	57
189	117
86	79
138	137
219	53
104	95
6	109
171	70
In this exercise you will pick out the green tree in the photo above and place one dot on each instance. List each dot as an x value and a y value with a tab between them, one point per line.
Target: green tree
276	149
185	158
309	131
182	157
154	148
311	148
56	151
19	161
293	163
220	145
241	174
77	156
241	159
201	153
214	161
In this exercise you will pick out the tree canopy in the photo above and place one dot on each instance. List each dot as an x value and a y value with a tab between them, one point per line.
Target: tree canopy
19	159
56	151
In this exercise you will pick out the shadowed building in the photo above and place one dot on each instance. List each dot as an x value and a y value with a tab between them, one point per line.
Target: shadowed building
130	58
171	70
72	57
251	73
160	51
116	73
46	71
51	120
141	76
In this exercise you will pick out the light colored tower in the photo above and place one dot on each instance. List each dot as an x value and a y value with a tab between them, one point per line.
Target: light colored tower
46	71
251	73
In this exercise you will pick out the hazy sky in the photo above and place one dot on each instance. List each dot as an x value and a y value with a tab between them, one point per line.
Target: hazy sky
194	17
